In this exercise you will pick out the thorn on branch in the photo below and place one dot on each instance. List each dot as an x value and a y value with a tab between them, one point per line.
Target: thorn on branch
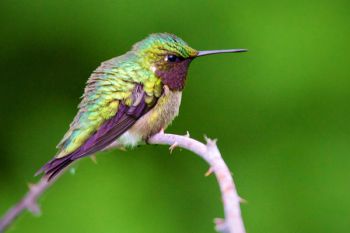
173	146
187	135
34	208
210	142
220	225
242	200
31	186
93	159
209	172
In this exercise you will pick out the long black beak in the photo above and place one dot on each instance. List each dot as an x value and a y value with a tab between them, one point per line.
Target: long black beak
209	52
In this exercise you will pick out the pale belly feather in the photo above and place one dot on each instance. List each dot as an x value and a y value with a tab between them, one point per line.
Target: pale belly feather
159	117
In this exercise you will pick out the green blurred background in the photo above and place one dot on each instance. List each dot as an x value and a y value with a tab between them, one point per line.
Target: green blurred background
281	114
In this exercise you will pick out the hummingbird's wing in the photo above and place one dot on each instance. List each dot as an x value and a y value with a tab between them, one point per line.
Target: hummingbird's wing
111	104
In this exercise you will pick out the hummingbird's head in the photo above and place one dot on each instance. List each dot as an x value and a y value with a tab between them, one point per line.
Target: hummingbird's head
169	57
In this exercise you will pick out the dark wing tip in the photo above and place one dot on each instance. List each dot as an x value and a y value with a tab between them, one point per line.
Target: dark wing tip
54	167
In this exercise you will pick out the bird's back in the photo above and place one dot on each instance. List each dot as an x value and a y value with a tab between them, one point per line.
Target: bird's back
111	84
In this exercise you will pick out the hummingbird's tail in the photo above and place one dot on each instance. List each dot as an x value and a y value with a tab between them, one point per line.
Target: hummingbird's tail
54	167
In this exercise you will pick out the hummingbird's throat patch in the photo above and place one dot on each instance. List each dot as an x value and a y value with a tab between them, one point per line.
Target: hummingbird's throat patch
174	75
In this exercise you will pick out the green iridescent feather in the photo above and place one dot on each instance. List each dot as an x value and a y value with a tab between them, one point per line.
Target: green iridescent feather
108	86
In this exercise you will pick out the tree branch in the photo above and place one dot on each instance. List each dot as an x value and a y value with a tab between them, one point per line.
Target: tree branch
232	223
29	202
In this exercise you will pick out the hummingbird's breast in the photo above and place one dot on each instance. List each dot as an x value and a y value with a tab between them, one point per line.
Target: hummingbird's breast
159	117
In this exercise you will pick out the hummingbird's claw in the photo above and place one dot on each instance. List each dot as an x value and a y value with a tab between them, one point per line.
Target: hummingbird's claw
122	148
172	147
187	135
160	132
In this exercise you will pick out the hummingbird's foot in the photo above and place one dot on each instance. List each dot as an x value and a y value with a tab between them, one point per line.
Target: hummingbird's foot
161	131
122	148
147	140
172	147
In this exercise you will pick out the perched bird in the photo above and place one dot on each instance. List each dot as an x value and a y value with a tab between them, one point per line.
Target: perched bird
128	99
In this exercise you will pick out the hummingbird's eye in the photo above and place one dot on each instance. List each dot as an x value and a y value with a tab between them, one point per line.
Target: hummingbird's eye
172	58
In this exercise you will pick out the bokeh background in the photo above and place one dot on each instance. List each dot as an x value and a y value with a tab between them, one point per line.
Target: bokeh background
281	113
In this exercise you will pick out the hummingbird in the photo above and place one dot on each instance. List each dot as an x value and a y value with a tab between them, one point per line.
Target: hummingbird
129	98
